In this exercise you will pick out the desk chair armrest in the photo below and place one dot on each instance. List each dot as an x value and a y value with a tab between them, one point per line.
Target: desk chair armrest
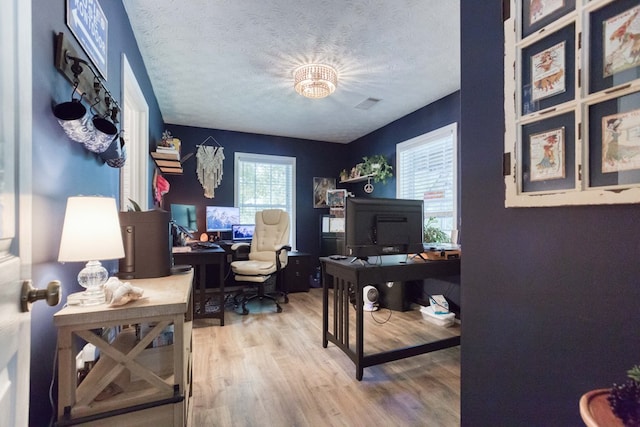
241	245
279	249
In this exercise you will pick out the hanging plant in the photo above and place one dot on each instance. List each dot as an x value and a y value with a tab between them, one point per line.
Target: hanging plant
378	167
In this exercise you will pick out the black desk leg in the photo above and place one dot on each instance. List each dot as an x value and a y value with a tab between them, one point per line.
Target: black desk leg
222	296
325	308
203	290
359	331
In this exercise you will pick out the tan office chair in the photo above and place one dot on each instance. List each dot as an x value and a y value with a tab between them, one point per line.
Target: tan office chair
267	259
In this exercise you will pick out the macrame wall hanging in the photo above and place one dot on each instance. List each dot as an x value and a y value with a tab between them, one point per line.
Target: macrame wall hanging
209	159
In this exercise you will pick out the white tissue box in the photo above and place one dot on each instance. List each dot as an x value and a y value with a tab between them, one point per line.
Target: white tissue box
439	304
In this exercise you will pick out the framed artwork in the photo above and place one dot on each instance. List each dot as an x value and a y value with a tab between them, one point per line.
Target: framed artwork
546	151
336	198
621	142
548	72
572	112
538	13
621	42
614	141
548	154
320	187
88	23
613	38
540	9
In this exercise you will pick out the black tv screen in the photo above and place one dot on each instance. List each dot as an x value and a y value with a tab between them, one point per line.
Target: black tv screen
185	216
383	226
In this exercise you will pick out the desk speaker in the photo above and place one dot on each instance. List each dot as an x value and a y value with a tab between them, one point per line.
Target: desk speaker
147	244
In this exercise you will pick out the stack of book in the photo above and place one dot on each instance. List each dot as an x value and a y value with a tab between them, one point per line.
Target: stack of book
168	153
167	159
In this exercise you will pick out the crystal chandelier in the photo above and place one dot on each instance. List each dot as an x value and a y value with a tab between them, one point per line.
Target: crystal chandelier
315	80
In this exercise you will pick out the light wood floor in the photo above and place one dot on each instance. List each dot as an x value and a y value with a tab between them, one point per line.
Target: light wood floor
269	369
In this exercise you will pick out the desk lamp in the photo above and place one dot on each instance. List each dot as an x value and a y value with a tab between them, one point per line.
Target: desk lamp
91	232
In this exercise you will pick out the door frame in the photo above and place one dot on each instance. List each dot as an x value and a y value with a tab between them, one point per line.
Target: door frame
134	176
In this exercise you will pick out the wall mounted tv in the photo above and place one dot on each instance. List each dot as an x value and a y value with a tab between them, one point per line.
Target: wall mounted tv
184	216
383	227
221	218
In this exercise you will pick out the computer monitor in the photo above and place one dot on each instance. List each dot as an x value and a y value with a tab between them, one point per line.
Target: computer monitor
242	232
184	216
383	226
221	218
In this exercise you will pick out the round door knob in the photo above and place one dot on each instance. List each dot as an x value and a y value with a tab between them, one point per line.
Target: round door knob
30	294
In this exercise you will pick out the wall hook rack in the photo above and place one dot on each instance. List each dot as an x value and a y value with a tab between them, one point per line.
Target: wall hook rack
72	67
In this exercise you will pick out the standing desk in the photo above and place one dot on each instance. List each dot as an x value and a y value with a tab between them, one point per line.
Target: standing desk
199	259
357	275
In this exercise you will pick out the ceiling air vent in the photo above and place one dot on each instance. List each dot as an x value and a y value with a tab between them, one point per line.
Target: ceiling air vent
367	103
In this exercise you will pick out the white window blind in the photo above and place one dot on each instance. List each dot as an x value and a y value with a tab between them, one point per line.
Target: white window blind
265	182
427	170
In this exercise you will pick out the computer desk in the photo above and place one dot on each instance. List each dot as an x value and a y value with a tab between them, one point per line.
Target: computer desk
199	258
346	273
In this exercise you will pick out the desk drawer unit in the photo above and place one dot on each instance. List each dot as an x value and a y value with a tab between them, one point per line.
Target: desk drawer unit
296	274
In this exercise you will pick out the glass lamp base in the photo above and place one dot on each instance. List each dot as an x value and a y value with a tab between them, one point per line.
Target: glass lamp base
93	296
92	277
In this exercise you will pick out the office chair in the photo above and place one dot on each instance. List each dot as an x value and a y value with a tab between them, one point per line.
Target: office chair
267	258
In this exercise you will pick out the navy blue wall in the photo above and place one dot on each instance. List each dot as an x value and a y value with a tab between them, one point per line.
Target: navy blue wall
63	168
549	295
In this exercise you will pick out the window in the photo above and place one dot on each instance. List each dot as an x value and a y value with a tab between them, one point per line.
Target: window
265	182
427	170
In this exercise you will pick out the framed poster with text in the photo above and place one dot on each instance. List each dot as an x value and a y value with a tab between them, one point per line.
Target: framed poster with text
89	25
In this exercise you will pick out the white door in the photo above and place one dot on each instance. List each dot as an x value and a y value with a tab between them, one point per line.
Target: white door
15	235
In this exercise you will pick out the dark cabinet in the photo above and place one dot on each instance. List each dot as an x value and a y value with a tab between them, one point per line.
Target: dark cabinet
297	272
332	236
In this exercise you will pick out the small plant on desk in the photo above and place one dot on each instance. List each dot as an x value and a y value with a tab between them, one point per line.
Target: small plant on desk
433	234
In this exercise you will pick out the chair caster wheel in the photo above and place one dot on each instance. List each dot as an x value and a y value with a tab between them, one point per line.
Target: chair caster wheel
279	309
245	311
286	299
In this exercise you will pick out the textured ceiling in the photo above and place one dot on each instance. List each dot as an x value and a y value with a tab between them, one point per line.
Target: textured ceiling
228	64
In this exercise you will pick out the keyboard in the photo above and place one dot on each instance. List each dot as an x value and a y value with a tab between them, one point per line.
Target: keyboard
207	245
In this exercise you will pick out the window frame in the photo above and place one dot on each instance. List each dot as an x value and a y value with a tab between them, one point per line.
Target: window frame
240	157
422	140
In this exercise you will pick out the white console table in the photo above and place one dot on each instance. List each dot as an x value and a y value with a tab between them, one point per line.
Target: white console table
132	382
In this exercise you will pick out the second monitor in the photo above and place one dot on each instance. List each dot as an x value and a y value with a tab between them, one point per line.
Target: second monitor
221	218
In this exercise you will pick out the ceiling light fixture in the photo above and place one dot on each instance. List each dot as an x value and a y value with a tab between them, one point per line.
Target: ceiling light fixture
315	80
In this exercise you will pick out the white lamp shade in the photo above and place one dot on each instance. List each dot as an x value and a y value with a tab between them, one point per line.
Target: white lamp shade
91	230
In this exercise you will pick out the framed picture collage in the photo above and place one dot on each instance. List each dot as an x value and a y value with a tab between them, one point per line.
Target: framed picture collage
572	102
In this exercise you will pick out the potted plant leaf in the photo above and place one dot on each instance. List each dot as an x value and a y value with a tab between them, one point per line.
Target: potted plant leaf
433	233
624	398
378	167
